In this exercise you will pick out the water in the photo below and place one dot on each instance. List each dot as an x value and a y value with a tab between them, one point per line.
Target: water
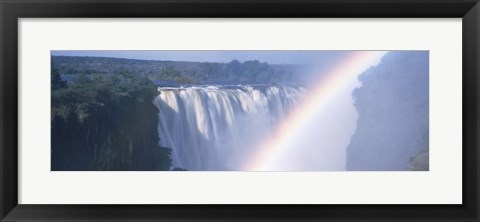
215	127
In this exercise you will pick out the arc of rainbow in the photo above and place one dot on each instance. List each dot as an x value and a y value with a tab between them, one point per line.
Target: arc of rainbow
328	87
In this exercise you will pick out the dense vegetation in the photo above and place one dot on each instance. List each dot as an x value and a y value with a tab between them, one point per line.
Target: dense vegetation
103	118
180	72
105	122
392	128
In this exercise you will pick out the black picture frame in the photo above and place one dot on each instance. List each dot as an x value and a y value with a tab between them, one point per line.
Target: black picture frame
11	11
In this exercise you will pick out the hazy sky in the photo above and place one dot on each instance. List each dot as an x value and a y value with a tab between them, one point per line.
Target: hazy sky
269	56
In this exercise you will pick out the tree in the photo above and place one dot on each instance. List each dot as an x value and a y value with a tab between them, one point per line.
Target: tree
107	122
56	79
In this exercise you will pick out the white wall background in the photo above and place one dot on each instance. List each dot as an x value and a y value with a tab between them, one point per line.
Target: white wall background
442	185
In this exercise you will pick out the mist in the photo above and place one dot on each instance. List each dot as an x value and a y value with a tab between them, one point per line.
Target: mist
338	136
254	110
320	145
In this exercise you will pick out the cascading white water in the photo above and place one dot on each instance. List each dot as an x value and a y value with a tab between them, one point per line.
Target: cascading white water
215	127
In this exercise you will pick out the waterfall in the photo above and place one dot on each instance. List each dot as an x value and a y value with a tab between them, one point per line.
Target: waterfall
215	127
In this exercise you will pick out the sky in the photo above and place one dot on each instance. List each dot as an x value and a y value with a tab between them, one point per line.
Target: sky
221	56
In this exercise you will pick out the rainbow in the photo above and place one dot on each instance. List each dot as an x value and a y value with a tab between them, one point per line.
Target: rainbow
336	80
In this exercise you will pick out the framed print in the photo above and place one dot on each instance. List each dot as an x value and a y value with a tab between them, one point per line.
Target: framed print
224	110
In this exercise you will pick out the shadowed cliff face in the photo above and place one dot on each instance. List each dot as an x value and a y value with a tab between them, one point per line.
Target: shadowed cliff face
106	122
392	104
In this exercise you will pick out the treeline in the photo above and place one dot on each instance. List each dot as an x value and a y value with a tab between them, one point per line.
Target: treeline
393	115
105	122
180	72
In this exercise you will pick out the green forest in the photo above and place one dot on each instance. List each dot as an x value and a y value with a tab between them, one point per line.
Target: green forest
105	122
180	72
